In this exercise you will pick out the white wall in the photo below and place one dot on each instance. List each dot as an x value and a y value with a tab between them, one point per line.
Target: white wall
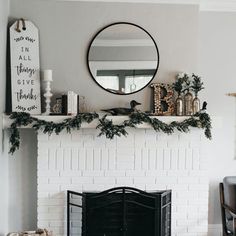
217	66
22	208
67	27
4	9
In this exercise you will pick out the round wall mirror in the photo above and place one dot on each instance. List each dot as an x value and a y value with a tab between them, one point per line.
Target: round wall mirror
123	58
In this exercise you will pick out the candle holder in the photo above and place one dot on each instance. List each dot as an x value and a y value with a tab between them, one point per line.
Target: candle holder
47	80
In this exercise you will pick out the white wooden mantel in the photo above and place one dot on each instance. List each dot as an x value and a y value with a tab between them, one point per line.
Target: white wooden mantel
116	120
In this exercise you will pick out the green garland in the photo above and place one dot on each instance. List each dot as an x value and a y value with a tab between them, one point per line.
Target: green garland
200	120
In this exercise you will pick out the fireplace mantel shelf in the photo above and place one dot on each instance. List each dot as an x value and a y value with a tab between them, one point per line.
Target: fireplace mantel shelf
116	119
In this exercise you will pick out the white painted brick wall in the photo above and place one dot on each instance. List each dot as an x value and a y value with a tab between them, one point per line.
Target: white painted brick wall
81	161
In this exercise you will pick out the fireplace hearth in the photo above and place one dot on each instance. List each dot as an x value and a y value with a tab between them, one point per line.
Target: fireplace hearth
121	211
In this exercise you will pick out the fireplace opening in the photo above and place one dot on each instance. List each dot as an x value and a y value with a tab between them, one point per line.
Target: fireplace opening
121	211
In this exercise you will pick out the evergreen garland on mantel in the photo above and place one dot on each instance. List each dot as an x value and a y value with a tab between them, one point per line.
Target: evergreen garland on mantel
200	120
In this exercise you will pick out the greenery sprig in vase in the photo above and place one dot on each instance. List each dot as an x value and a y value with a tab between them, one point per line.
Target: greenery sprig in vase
197	86
184	86
178	86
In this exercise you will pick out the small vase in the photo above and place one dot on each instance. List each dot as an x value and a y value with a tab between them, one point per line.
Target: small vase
188	101
196	105
179	106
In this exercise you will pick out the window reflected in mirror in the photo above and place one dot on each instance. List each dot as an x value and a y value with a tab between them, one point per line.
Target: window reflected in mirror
123	58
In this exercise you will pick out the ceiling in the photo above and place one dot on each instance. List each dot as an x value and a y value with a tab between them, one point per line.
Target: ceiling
204	5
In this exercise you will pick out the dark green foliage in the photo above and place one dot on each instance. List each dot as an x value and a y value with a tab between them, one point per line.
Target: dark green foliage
200	120
188	83
109	129
197	84
178	85
48	127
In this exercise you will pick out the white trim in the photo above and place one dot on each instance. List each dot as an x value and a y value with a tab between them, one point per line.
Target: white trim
218	6
204	5
120	65
214	230
123	43
123	65
189	2
116	119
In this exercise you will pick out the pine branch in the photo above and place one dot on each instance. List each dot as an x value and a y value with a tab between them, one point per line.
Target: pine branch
200	120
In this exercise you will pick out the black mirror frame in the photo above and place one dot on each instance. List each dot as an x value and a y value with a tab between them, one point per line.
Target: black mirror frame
128	23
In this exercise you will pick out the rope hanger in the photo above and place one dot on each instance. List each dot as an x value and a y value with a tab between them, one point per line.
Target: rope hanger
18	25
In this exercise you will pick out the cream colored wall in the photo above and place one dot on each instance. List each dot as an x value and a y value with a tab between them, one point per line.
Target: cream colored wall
4	10
187	40
217	66
66	29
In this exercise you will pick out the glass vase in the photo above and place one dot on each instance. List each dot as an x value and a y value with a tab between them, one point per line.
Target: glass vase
196	105
179	106
188	103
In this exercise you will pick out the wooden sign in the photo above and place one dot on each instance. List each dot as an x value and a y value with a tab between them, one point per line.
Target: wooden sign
163	99
25	74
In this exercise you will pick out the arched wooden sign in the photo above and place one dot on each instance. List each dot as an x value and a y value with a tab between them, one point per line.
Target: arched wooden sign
25	74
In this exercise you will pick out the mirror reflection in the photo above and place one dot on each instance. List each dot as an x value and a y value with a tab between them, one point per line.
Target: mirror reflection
123	58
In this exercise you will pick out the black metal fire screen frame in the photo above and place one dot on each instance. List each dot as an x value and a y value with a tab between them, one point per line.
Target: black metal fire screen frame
122	211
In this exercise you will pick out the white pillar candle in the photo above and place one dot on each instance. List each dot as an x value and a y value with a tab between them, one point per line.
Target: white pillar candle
47	75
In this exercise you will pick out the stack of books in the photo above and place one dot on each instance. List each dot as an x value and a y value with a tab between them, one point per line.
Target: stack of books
70	103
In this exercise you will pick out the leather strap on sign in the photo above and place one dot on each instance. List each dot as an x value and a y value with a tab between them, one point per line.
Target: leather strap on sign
18	25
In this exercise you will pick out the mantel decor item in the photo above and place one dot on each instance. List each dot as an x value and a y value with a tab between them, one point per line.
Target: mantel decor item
199	120
123	110
163	99
178	87
24	64
197	86
47	79
188	101
184	86
123	58
38	232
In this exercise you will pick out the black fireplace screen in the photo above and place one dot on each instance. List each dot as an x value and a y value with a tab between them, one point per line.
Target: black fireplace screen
121	211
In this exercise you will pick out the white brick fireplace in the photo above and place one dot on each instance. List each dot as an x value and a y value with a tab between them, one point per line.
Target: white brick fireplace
81	161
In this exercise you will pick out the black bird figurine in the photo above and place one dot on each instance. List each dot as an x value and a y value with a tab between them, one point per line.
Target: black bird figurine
123	110
204	106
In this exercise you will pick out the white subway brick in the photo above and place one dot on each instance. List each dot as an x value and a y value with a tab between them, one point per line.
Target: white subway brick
146	180
72	173
104	158
138	159
59	159
124	181
89	159
135	173
115	173
160	159
74	159
181	160
59	180
82	159
97	159
112	159
152	159
104	180
92	173
82	180
67	158
145	159
167	159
